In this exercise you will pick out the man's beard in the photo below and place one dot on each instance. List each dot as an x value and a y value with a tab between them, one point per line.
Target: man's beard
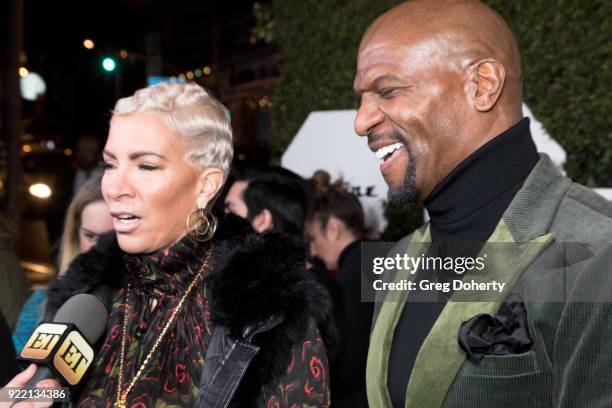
406	192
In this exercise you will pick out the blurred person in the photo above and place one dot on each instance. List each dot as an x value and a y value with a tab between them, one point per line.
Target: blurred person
272	198
87	218
334	228
87	156
276	199
14	286
8	364
234	200
190	299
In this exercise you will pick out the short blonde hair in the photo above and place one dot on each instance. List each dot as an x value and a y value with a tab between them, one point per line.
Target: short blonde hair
188	109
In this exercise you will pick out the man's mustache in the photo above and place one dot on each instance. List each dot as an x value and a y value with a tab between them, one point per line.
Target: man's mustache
393	136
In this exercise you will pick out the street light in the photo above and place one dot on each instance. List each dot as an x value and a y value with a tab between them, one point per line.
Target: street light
89	44
40	190
109	64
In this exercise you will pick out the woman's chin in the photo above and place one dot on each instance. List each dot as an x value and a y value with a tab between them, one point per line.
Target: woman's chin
137	245
132	245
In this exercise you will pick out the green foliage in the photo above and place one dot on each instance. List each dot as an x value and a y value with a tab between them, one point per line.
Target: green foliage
318	41
565	46
402	220
566	51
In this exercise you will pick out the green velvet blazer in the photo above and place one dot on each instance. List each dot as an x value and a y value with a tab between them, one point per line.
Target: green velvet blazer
567	295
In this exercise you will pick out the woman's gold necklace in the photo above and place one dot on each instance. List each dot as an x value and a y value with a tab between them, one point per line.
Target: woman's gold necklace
122	396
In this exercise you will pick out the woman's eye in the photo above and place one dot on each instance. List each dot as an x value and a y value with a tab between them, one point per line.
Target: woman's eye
147	167
90	236
106	165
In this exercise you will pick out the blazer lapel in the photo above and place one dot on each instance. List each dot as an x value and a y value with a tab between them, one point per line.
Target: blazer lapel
384	327
440	356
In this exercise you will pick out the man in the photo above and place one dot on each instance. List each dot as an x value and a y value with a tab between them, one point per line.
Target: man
335	229
271	199
441	95
234	200
87	155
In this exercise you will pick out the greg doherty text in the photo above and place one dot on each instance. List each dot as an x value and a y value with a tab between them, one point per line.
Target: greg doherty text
428	286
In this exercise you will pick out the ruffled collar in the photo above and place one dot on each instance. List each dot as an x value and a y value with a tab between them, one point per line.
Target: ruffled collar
169	272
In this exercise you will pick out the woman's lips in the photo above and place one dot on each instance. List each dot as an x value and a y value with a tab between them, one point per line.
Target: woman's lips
125	226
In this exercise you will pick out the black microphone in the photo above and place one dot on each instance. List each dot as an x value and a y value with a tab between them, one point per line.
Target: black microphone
62	349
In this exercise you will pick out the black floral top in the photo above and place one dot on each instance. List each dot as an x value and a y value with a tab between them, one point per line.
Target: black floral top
173	374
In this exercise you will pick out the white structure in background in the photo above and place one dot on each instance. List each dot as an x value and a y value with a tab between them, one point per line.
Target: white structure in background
327	141
544	142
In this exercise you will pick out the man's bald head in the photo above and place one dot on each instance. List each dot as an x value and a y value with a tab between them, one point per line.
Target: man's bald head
441	77
454	32
464	28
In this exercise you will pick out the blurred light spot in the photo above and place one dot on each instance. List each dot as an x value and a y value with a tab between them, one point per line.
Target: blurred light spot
68	152
23	72
253	40
27	148
109	64
181	77
189	75
252	104
50	144
40	190
198	72
89	44
123	54
206	70
32	86
241	156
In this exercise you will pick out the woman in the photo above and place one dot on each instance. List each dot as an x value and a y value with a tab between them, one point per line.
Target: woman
334	227
86	219
200	318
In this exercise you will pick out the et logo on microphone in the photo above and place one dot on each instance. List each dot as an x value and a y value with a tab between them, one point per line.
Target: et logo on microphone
43	341
73	357
60	347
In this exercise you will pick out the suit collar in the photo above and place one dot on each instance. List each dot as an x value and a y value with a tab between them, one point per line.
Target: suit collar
525	228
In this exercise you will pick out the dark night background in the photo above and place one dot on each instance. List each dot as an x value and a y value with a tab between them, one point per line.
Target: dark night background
165	38
180	39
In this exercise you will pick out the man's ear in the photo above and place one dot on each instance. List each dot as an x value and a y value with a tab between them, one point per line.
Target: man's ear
486	83
263	221
333	229
211	181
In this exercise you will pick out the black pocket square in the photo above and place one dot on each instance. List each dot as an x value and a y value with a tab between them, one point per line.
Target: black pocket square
503	334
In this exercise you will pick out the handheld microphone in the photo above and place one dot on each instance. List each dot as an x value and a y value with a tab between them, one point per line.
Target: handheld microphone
62	349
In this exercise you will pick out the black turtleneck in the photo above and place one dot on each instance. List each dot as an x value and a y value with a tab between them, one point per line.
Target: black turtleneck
464	209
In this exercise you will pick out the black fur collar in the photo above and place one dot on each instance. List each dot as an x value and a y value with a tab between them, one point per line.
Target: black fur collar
255	276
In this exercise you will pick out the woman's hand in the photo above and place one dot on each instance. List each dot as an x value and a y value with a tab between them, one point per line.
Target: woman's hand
20	380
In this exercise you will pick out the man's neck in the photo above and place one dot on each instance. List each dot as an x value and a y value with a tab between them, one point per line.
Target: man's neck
470	200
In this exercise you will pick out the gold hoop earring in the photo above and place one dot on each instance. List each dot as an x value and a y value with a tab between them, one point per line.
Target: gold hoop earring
201	225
